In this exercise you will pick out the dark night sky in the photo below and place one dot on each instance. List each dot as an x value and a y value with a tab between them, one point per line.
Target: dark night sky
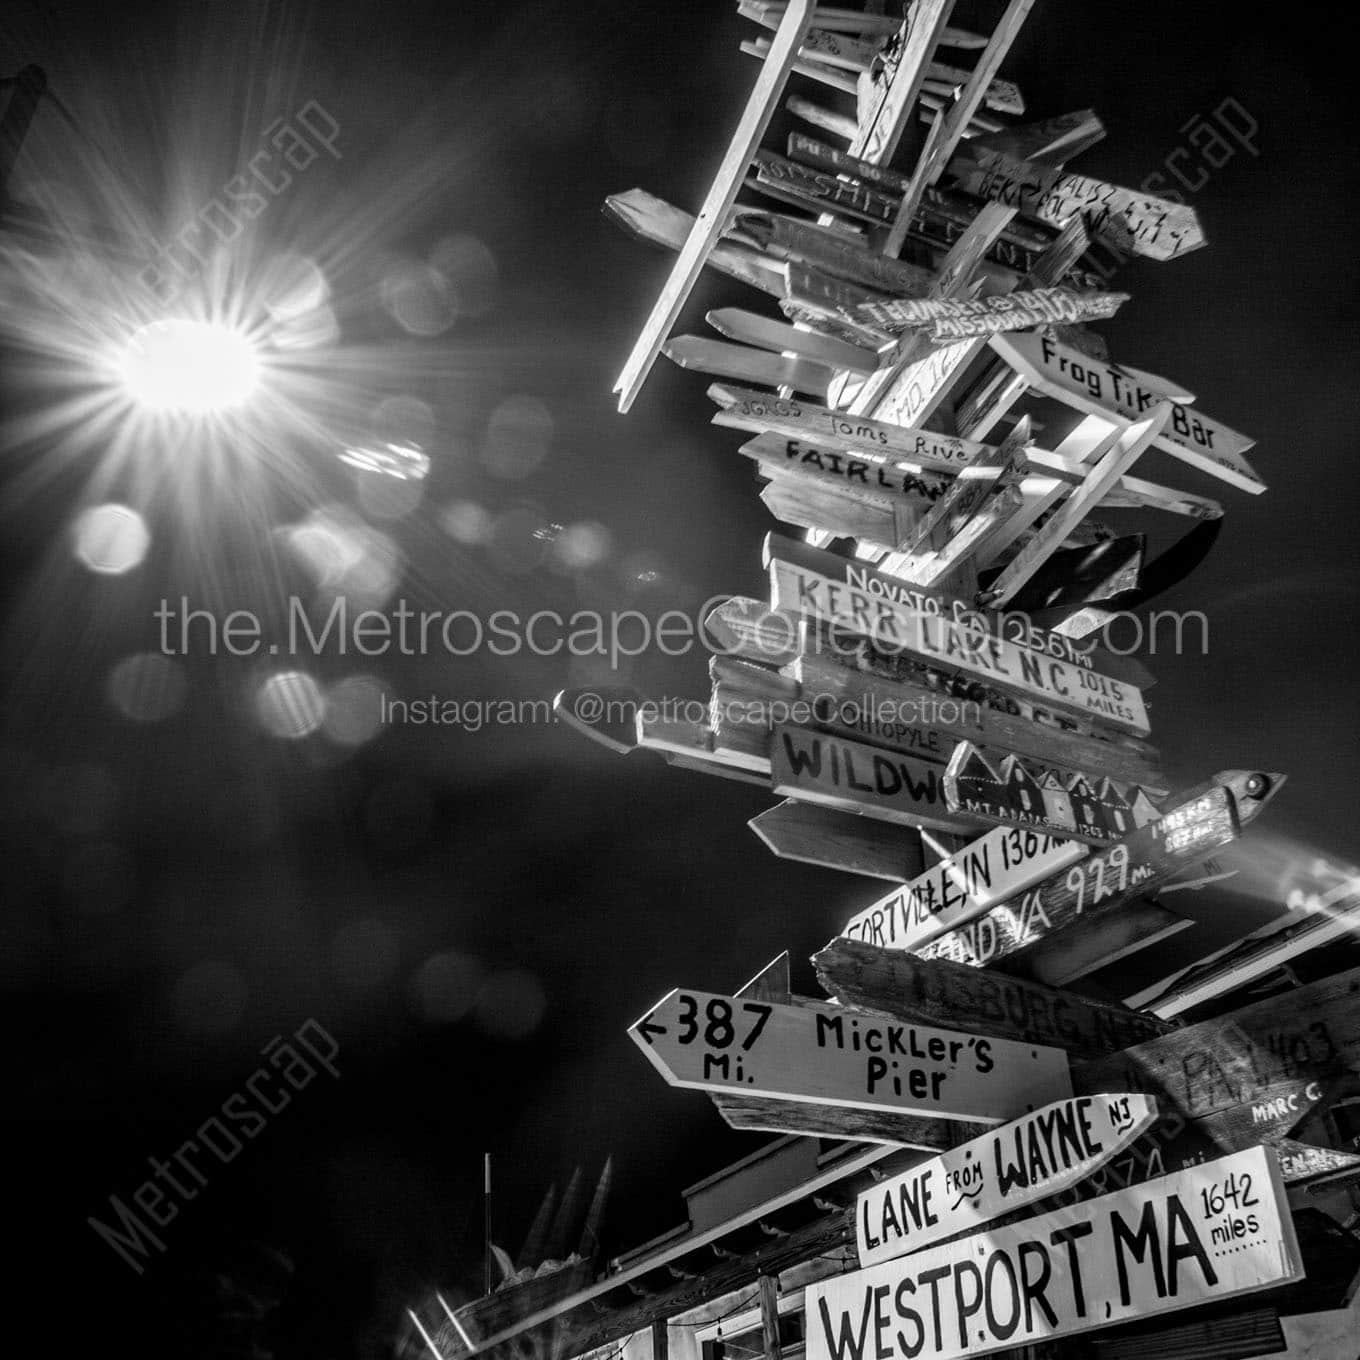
177	893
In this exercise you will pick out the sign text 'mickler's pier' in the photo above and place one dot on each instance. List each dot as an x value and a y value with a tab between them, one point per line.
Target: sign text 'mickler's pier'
827	1055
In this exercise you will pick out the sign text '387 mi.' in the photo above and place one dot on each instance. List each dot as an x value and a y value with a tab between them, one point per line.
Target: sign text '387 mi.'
1203	1234
825	1055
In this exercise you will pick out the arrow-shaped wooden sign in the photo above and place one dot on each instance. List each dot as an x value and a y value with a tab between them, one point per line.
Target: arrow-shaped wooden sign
884	483
749	329
1012	794
744	409
1129	220
749	365
788	238
851	776
852	679
722	193
945	319
992	869
822	1055
1205	1234
1007	1169
1105	389
839	840
659	223
1090	893
938	992
898	623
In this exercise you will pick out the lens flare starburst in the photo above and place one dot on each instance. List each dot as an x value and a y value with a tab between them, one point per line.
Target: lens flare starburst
188	367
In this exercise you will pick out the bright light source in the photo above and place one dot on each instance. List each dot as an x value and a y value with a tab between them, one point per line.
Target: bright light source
188	366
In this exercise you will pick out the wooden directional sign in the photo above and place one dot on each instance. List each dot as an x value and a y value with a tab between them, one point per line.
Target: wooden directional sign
1202	1235
764	333
992	869
880	482
798	184
839	840
1012	794
916	385
1127	219
831	251
856	674
1001	95
944	319
937	992
899	618
852	777
1006	1169
722	193
744	409
748	365
1310	1033
1059	138
1193	825
822	1055
1237	964
1106	389
654	220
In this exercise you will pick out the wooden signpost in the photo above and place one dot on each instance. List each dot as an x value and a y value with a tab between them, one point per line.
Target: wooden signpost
1009	1168
821	1055
1201	1235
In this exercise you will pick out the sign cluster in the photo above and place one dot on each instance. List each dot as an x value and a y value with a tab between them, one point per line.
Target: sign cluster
923	689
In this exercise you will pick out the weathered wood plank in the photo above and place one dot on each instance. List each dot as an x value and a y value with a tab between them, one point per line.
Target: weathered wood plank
937	991
1311	1033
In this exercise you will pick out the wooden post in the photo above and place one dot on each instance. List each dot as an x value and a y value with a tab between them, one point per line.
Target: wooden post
661	1339
722	194
769	1315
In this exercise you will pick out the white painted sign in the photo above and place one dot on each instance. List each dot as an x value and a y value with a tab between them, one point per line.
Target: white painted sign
1101	388
1006	1169
824	1055
896	627
1201	1235
994	868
